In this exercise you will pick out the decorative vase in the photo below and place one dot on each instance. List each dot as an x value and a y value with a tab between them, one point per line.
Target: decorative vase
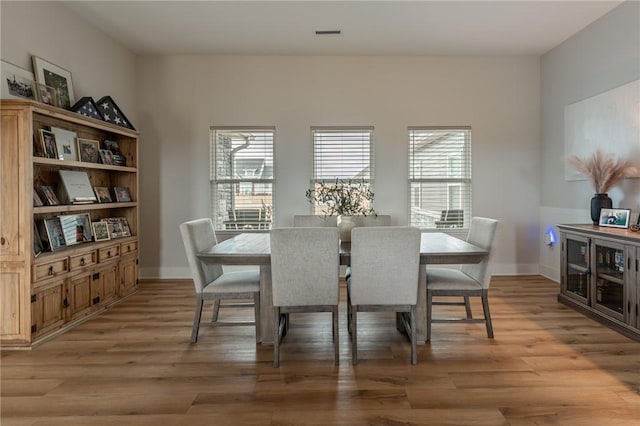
599	202
345	225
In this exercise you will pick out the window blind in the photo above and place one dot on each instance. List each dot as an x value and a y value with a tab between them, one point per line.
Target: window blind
440	177
241	176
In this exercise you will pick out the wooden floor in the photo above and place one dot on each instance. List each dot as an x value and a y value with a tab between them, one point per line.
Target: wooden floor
134	365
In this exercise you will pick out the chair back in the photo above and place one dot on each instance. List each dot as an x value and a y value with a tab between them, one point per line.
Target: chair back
385	263
316	221
305	266
482	234
198	235
372	220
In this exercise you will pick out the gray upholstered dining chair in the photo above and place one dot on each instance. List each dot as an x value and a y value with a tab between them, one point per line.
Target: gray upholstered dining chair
385	264
312	220
305	266
468	280
211	282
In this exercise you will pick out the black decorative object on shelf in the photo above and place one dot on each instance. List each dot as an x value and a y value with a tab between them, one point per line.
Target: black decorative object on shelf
87	107
111	113
599	202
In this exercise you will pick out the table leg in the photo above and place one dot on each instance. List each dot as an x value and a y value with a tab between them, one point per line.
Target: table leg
266	306
421	308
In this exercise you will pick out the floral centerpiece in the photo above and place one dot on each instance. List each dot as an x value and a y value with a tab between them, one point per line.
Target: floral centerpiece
604	171
343	198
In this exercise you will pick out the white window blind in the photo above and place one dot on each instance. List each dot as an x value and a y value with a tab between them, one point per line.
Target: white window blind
241	176
440	177
343	153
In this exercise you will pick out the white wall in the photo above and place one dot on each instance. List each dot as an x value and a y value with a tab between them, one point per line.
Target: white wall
99	66
601	57
180	97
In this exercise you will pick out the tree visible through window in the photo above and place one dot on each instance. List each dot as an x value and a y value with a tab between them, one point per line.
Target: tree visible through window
241	178
440	177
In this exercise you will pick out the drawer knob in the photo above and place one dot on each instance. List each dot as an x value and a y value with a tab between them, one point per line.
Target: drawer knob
82	261
3	241
109	253
50	272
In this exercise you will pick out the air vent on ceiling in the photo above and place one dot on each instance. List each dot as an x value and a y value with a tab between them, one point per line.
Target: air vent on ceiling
328	32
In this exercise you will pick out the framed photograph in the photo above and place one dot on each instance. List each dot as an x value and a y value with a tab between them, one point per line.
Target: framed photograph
48	142
17	83
122	194
37	202
126	231
49	195
615	218
76	228
106	157
100	231
54	76
47	94
54	233
115	227
66	144
102	192
37	241
89	150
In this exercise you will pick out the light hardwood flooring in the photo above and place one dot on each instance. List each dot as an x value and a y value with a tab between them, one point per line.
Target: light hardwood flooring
134	365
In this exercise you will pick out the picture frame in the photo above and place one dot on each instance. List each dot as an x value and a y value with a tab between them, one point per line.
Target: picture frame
89	150
66	144
37	241
115	227
17	83
49	195
126	230
122	194
106	157
76	228
54	233
37	202
54	76
48	143
615	218
102	192
47	94
116	156
100	231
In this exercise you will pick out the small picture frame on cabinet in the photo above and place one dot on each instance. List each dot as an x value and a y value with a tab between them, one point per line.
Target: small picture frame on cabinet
122	194
76	228
37	241
100	231
106	157
115	227
102	192
54	233
615	218
49	195
47	94
89	150
48	143
37	202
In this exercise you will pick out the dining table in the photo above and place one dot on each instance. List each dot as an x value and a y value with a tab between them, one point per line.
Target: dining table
253	248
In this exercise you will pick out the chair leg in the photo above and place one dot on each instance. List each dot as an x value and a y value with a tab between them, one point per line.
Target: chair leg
256	310
348	312
216	310
467	306
429	314
276	337
196	319
487	314
336	336
414	337
354	335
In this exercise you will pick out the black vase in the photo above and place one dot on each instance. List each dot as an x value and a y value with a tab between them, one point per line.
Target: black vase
599	202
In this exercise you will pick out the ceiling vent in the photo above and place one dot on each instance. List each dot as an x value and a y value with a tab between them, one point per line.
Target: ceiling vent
328	32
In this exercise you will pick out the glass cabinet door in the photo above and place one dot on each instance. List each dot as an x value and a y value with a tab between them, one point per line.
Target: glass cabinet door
609	269
576	269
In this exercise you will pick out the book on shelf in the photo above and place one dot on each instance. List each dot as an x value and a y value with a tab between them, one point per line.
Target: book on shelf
75	187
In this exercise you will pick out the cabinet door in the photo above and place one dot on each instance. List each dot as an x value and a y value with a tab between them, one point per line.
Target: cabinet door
633	288
109	284
79	295
128	276
47	309
575	267
14	303
610	274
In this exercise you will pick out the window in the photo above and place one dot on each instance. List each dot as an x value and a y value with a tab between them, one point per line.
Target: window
342	153
440	177
242	178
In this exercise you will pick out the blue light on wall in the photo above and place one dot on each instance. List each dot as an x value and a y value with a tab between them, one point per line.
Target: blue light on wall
550	237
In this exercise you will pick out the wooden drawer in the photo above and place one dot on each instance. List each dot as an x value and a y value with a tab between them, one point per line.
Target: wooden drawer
83	260
109	252
51	269
129	247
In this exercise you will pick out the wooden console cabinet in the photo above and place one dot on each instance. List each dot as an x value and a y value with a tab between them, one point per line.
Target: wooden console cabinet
44	294
601	275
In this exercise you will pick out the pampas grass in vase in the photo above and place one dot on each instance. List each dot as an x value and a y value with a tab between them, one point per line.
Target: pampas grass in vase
604	171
